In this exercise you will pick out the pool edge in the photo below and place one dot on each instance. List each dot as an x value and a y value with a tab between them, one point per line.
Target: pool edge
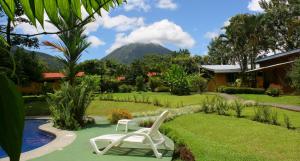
62	139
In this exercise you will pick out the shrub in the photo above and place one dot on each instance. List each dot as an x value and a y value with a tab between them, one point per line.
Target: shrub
162	89
146	123
177	80
241	90
266	115
288	123
198	83
69	104
119	114
295	75
238	108
109	85
140	83
92	80
106	97
33	98
125	88
274	118
220	89
209	105
156	102
221	106
154	82
274	91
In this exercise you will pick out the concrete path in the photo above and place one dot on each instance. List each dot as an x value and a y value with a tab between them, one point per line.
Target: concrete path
286	107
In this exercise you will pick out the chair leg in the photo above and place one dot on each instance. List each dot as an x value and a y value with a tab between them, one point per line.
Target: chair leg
94	145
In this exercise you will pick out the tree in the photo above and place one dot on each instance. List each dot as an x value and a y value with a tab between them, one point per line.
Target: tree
72	45
281	24
198	83
177	79
219	51
295	75
28	67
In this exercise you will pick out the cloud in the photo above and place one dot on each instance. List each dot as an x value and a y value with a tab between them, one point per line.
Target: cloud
162	32
254	6
212	35
166	4
140	5
26	28
95	41
120	23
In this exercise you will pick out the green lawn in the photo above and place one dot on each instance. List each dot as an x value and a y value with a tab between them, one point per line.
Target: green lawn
173	100
286	100
226	138
103	108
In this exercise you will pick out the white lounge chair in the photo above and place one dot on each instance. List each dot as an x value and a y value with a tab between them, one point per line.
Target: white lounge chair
150	137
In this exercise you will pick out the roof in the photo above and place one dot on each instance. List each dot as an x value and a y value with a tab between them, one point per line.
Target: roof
53	75
278	55
59	75
271	66
223	68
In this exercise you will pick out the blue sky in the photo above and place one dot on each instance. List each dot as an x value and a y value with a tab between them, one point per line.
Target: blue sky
174	24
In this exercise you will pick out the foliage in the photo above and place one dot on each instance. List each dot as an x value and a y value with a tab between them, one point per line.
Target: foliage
198	83
72	45
93	82
162	89
146	123
295	75
238	107
28	67
140	83
119	114
241	90
288	123
222	106
176	79
11	118
125	88
109	85
265	115
68	105
273	91
219	51
154	82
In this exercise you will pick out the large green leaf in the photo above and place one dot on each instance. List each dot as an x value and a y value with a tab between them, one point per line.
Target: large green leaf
87	6
28	8
52	11
8	7
39	11
76	7
64	8
11	118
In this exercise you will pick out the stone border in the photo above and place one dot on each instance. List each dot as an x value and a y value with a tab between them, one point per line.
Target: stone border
62	139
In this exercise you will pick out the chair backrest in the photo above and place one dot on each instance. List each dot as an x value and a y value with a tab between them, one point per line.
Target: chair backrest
155	127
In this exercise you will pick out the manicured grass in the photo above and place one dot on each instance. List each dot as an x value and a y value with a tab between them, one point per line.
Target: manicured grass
104	108
164	98
226	138
285	100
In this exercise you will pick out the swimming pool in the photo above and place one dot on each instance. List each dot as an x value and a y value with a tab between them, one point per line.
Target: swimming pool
33	137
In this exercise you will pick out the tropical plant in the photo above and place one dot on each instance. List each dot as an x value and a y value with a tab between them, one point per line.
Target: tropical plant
295	75
198	83
119	114
238	107
177	79
73	43
68	105
140	83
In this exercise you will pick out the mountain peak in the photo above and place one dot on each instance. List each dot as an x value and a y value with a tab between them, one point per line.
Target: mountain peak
128	53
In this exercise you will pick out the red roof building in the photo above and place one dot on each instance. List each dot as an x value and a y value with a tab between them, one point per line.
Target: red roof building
56	76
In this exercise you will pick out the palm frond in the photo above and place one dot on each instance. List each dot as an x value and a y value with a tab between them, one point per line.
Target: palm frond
55	46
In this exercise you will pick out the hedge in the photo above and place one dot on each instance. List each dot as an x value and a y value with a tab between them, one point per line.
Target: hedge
34	98
241	90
